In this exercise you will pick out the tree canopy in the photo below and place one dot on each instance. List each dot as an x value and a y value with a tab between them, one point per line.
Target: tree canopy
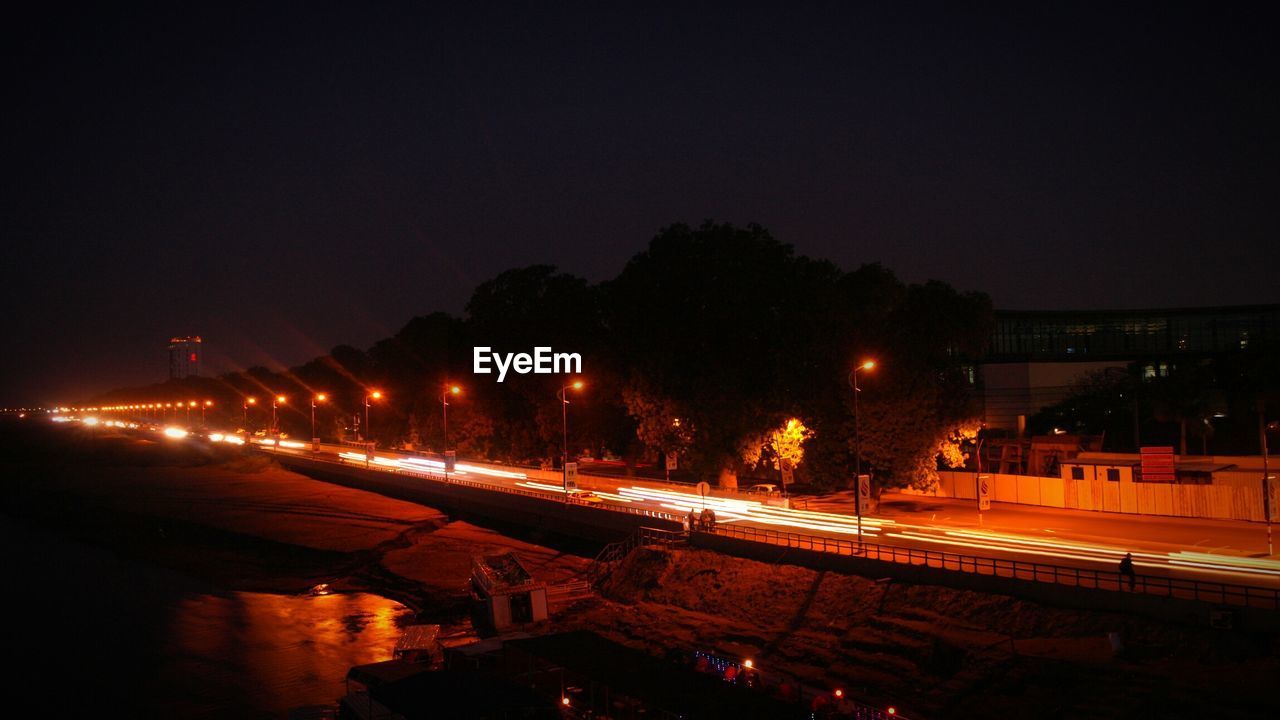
708	343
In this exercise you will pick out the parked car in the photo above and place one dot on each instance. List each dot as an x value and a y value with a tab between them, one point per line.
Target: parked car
585	496
767	490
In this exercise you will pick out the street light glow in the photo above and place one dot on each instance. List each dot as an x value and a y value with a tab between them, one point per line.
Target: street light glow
321	397
577	384
868	364
376	394
281	399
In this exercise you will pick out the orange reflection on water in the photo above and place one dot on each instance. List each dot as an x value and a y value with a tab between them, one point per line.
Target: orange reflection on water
281	650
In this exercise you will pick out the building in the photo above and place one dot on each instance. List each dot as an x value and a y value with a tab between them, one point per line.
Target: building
1036	357
509	593
185	355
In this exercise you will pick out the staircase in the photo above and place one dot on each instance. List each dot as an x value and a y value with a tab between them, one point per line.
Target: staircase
612	554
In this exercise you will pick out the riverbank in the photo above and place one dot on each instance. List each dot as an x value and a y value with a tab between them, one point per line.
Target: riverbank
130	559
222	519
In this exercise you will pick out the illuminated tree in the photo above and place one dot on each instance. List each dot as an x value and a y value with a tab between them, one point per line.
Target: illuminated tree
783	445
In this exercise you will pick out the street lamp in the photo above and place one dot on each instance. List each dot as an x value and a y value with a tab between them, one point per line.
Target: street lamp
375	395
315	440
1263	428
564	423
247	402
190	405
857	443
276	402
207	404
444	415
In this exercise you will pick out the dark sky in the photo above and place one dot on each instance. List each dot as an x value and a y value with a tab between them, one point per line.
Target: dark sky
284	178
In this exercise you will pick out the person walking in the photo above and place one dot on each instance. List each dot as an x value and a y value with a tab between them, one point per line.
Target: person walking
1126	569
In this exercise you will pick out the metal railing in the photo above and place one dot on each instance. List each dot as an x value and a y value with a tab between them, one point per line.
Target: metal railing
454	480
1109	580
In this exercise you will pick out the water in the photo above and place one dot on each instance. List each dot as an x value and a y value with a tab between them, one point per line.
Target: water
89	633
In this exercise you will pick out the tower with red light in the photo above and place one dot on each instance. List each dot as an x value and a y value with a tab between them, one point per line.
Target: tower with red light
184	357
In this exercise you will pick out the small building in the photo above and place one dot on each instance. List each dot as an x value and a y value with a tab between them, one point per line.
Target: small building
509	593
1127	468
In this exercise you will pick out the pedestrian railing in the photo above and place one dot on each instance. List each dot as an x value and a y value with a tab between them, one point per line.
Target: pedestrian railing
454	480
1205	591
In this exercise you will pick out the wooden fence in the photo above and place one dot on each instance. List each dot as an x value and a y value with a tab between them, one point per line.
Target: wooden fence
1218	502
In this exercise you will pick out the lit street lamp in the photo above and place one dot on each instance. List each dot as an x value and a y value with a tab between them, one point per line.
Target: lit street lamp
247	402
857	444
564	423
276	402
375	395
207	404
444	413
190	405
315	439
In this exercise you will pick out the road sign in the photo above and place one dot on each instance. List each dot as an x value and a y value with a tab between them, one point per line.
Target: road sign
864	492
1158	464
704	489
984	492
671	461
788	474
570	475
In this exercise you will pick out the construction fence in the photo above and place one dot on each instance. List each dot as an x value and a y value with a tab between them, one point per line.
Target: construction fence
1217	502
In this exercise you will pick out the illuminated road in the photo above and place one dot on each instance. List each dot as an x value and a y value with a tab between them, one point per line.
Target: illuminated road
1029	538
907	530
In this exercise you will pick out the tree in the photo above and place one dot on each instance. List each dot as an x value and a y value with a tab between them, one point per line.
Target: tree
706	319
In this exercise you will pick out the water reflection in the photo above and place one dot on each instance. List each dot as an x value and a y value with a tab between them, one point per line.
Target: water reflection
272	652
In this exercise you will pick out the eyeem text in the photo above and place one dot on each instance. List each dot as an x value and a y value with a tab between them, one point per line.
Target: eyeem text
542	362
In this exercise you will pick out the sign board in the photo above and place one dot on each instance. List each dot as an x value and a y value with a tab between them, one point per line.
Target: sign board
864	493
704	489
788	474
984	492
450	460
570	475
671	461
1157	464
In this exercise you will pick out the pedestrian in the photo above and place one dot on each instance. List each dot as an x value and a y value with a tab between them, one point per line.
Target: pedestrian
693	520
1126	569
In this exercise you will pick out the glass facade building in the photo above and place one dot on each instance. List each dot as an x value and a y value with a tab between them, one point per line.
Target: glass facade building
1130	334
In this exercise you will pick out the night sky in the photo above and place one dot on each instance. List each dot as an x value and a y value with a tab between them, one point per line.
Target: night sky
283	179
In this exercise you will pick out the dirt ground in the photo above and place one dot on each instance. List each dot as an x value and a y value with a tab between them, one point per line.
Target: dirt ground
930	651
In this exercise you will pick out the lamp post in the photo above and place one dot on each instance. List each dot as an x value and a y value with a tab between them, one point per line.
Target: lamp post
247	402
315	440
444	416
190	404
207	404
1263	427
276	402
857	444
564	424
375	395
